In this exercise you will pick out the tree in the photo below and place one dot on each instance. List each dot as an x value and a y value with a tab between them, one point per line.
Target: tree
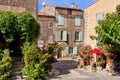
18	26
109	30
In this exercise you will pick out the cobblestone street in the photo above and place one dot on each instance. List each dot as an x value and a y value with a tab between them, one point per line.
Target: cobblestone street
69	71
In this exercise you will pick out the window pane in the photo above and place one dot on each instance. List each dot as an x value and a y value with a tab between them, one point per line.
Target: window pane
76	35
70	50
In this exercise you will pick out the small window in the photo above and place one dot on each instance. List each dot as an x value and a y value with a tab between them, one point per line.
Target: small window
69	12
50	24
50	38
99	16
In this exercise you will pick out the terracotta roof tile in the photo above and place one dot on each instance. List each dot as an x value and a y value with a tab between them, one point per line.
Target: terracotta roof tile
43	13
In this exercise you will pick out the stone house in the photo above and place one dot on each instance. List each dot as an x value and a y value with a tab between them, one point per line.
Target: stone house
63	25
93	13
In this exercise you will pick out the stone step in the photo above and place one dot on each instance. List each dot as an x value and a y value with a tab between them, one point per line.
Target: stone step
17	63
16	73
17	69
16	77
18	66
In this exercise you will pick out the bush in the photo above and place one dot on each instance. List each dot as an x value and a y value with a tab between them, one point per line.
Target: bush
6	66
35	61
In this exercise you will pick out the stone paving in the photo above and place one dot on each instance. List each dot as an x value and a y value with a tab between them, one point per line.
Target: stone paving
69	71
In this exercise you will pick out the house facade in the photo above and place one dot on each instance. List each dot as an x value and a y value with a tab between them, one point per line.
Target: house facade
20	6
95	12
63	25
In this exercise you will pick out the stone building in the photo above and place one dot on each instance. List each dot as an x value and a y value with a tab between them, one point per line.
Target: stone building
95	12
63	25
19	6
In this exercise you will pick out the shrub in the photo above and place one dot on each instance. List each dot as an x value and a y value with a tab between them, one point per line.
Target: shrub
6	66
35	61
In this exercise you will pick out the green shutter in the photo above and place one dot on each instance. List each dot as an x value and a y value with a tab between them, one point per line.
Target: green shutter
64	35
81	36
61	19
59	35
67	50
73	36
75	50
77	20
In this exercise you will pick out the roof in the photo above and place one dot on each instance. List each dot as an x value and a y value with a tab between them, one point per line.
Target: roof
43	13
68	8
64	7
92	4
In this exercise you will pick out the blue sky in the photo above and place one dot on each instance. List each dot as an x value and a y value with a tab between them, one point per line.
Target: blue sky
81	3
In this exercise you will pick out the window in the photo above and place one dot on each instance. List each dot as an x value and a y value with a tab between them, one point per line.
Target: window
50	38
99	16
77	36
71	50
62	35
60	19
50	24
77	21
69	12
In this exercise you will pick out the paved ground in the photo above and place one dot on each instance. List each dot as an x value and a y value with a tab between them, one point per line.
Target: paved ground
69	71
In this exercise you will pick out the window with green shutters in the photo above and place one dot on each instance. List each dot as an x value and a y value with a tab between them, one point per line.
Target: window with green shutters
77	36
71	50
60	19
77	21
62	35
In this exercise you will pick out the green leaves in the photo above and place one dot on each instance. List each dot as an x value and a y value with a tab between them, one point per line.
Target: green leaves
22	25
109	30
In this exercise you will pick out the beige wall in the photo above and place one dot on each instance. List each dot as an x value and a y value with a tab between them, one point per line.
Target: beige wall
104	6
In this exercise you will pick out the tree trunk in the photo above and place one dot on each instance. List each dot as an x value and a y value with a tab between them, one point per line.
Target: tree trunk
109	62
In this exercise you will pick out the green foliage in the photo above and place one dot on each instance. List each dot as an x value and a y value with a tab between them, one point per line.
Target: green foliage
1	54
54	48
18	25
109	30
84	52
6	66
35	61
27	27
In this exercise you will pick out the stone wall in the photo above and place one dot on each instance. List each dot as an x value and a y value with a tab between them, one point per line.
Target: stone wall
20	5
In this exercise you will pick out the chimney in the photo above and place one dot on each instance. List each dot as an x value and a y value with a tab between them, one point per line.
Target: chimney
73	5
